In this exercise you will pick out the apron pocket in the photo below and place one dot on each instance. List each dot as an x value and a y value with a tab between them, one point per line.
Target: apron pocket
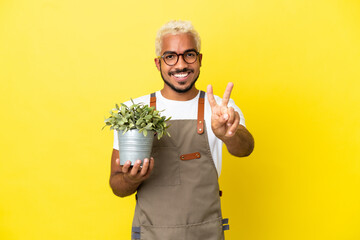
166	170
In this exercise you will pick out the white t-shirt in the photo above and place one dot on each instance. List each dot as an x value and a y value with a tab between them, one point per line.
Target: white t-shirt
188	110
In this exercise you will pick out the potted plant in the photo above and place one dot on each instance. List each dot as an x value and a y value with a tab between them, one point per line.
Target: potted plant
136	125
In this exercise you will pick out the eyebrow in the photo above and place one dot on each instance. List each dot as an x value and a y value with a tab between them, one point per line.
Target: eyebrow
188	50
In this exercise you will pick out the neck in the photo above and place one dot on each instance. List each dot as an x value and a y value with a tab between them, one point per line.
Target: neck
170	94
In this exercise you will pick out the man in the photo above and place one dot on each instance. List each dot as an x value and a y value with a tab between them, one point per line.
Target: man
177	188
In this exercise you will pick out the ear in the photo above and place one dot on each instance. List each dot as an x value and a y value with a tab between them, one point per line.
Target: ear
157	63
200	58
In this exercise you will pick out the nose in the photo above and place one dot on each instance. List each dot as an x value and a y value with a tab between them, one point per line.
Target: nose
181	64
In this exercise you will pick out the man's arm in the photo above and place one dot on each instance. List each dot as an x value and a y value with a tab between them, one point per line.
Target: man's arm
241	144
225	123
124	180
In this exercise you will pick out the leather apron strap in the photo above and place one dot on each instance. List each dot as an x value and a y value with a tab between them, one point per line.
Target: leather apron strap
200	119
153	100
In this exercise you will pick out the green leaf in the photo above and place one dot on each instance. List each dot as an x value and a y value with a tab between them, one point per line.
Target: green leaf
148	126
139	121
123	110
148	117
160	135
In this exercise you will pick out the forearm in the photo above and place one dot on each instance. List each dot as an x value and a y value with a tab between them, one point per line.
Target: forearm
241	144
121	186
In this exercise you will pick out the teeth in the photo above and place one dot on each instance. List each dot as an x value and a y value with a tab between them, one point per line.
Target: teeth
181	75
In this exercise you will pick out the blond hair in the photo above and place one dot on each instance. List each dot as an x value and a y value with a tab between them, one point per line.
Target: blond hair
176	27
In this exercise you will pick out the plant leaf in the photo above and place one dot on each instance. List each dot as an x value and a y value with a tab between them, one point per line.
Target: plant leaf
148	126
148	117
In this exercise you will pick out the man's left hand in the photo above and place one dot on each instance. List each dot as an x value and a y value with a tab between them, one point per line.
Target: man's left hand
224	120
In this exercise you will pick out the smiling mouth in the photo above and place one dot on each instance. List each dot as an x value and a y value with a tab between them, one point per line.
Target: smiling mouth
181	75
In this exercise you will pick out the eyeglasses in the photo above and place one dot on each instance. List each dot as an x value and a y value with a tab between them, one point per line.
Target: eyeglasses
171	58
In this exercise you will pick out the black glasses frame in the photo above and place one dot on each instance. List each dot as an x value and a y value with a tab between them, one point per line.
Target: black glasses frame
181	54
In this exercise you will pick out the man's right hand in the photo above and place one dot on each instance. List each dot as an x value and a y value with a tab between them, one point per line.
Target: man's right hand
124	179
136	174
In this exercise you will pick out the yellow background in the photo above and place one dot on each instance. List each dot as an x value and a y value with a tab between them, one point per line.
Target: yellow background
295	65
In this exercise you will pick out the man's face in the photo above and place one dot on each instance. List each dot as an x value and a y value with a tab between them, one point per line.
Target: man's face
182	76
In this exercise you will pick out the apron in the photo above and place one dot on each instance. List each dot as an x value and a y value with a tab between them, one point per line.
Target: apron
180	200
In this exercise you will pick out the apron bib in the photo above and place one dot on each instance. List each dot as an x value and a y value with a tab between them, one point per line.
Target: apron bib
180	200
